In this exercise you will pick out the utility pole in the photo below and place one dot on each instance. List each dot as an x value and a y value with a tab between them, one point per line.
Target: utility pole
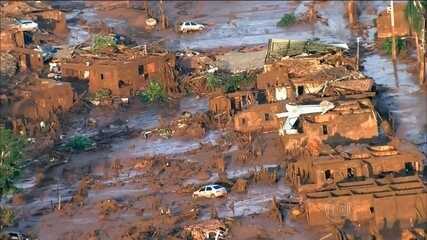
393	37
162	14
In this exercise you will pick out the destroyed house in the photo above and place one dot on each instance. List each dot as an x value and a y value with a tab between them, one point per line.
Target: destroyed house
401	24
124	74
283	48
231	103
303	77
258	117
353	162
39	103
342	120
383	202
52	20
20	44
47	18
10	36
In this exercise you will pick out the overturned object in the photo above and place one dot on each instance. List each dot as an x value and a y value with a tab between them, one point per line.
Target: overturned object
208	229
294	111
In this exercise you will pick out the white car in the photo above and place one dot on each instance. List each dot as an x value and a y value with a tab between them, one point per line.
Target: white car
210	191
190	26
27	25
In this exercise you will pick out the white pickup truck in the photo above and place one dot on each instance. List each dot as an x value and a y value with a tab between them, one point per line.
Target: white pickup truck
190	26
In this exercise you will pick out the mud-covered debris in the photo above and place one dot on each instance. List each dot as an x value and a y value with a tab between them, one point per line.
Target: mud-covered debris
8	67
144	164
97	234
209	229
267	174
240	185
108	207
276	211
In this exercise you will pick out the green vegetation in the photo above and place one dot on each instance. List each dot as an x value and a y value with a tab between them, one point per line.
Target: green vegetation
11	153
374	22
79	143
102	94
153	93
7	217
287	20
101	42
229	83
400	45
415	14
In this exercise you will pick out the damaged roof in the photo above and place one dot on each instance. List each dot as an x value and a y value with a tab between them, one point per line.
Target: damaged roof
279	48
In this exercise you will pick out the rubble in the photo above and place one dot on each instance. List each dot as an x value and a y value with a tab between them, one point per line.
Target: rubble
8	67
36	111
207	229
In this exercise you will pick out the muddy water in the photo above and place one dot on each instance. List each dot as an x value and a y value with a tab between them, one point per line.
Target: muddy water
239	23
402	96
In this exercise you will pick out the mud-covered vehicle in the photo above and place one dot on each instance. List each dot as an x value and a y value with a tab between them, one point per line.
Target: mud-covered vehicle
190	26
13	235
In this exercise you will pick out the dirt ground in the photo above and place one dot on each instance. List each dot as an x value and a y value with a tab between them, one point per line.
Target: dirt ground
132	185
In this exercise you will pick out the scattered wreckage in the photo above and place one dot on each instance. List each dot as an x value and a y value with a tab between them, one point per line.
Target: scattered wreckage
209	229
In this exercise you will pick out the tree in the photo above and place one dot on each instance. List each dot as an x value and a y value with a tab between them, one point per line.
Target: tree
416	14
11	153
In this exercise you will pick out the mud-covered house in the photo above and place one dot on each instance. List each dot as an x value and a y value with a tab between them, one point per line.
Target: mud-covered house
347	120
354	162
380	202
325	76
38	105
259	117
124	74
401	24
19	43
231	103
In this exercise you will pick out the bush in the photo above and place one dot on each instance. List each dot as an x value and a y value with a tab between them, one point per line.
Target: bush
213	81
229	83
100	42
7	217
102	94
400	45
79	143
287	20
11	153
153	93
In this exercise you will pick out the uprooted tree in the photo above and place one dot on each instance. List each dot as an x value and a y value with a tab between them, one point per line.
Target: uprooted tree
11	153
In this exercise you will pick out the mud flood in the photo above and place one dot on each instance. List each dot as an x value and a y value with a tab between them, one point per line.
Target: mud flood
143	168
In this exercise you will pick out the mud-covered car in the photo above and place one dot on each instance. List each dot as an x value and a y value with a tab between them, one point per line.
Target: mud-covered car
210	191
190	26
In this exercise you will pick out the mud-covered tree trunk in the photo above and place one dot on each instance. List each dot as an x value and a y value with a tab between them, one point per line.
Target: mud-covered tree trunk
163	23
147	9
352	12
422	70
393	35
